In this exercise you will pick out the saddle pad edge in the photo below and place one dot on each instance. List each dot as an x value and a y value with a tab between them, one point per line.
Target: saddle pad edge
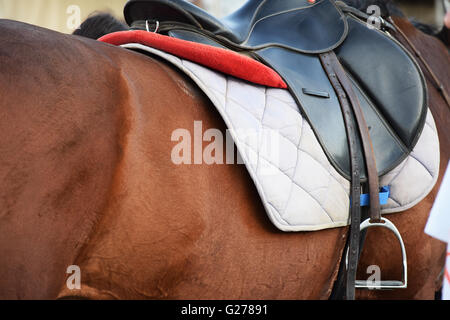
429	127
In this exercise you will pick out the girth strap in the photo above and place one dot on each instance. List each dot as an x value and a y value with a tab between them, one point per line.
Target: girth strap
352	112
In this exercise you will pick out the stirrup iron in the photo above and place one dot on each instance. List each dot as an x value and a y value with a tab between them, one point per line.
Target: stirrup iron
384	284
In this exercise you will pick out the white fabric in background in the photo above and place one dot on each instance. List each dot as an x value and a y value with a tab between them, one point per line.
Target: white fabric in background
438	225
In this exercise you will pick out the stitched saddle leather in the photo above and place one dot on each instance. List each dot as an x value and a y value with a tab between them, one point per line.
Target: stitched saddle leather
289	35
258	24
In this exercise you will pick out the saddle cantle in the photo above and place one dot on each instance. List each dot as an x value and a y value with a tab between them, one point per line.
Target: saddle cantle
288	35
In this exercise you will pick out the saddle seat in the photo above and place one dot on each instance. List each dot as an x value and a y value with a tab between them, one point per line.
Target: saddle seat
288	36
313	27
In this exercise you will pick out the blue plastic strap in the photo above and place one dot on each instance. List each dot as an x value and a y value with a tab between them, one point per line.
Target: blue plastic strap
384	196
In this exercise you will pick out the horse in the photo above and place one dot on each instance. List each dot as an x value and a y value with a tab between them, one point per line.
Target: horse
89	185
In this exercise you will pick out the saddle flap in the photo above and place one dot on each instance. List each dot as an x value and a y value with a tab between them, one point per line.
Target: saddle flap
396	86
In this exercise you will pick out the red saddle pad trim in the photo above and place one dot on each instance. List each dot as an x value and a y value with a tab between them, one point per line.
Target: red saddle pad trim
219	59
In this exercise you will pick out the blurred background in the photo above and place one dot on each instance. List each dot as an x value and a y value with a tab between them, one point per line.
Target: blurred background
66	15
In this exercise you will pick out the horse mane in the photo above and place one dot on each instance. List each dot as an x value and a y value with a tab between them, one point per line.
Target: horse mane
425	28
100	24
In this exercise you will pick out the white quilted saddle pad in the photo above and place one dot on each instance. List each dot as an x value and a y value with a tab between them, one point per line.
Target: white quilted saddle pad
300	189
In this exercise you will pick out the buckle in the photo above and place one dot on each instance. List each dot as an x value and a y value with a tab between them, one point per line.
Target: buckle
384	284
147	26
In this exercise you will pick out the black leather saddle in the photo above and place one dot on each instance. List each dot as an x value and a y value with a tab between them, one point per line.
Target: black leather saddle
258	24
288	35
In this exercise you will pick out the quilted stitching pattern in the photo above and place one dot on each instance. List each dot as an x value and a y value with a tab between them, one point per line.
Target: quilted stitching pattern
298	186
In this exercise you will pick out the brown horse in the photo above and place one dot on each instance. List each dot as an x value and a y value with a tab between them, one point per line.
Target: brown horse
87	180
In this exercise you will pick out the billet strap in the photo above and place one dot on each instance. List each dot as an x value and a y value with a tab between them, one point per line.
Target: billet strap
352	113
